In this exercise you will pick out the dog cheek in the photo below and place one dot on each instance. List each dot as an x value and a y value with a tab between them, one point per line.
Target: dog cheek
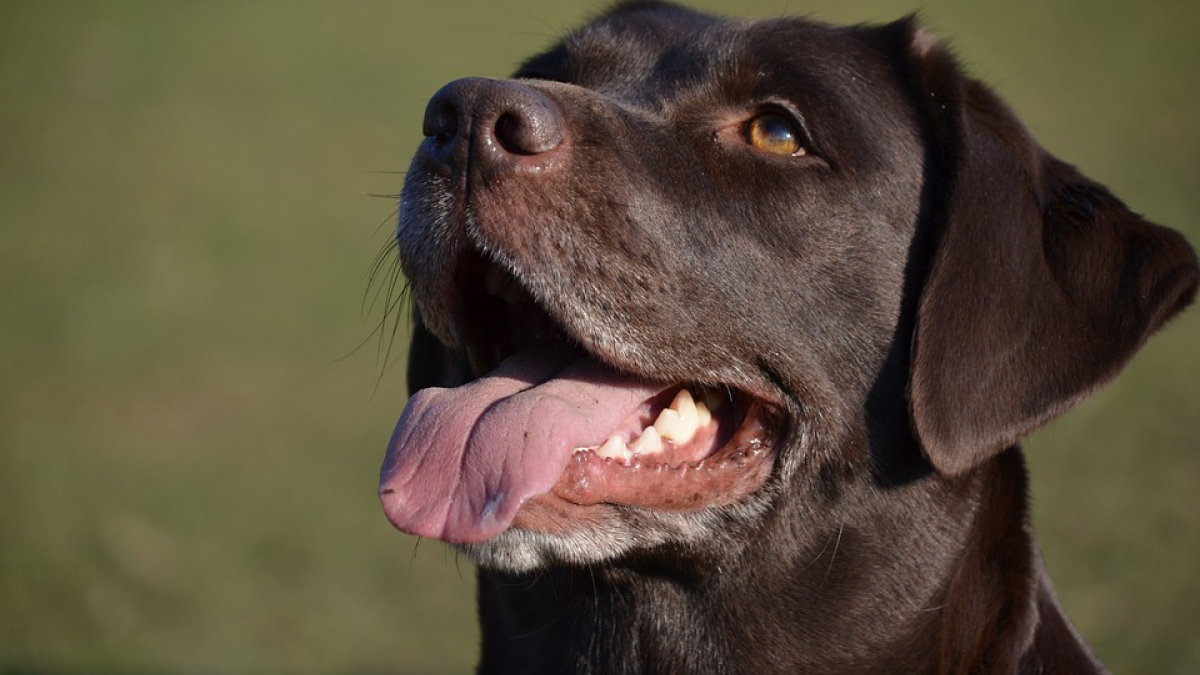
428	242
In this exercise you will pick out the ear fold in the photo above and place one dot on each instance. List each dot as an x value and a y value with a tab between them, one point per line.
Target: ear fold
1041	284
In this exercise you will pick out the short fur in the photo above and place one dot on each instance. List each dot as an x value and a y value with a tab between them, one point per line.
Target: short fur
922	289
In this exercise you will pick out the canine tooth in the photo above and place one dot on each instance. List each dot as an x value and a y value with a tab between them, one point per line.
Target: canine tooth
614	448
686	406
649	443
703	415
670	424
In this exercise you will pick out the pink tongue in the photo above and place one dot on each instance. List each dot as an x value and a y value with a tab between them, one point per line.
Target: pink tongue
462	461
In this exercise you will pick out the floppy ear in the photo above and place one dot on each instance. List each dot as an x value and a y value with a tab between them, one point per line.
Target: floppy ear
1041	284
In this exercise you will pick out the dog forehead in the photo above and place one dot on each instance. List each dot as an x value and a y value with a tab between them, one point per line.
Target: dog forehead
651	53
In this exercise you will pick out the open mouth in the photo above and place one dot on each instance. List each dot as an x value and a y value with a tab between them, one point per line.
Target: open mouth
547	420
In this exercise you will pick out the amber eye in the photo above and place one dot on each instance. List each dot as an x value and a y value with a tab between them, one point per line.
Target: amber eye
774	133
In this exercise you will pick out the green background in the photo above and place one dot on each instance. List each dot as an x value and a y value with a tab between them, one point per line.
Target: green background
188	463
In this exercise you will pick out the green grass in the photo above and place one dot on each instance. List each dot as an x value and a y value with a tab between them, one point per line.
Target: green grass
187	464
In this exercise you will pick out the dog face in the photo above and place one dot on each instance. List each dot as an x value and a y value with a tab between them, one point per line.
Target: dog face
831	258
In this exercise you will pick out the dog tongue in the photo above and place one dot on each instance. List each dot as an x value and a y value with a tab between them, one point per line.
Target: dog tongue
462	461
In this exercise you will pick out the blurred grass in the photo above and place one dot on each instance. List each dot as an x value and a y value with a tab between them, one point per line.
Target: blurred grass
187	465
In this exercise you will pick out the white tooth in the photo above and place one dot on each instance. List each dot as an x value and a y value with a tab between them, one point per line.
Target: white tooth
649	443
614	448
686	405
670	425
703	416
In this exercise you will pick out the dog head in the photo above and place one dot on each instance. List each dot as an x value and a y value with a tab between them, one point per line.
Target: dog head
828	254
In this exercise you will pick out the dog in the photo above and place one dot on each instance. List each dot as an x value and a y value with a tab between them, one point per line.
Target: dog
725	334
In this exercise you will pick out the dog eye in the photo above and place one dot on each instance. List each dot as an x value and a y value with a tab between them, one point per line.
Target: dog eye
774	133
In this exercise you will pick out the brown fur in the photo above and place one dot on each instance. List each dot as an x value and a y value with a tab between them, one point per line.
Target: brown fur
920	291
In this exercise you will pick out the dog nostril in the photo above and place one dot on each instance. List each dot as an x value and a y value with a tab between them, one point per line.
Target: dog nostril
530	130
498	118
508	133
441	122
447	134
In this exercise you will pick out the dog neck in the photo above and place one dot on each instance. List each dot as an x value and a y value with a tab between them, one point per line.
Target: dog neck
956	578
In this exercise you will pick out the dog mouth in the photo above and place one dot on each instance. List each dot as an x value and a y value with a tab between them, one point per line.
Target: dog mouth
550	427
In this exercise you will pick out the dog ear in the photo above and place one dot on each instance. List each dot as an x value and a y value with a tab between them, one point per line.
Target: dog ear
1040	285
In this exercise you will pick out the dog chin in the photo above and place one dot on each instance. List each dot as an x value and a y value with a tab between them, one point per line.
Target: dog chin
628	533
520	550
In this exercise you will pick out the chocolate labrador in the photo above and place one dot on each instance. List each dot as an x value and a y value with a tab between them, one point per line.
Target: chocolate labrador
725	335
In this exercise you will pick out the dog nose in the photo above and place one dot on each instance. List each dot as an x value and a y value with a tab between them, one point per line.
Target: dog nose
500	120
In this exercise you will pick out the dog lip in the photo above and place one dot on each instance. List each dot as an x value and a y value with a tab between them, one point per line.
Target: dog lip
733	470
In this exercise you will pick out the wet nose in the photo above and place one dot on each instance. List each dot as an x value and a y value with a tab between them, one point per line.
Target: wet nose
502	121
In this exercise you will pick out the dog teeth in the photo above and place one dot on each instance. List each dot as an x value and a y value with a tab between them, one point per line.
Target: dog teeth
677	423
614	448
703	416
680	421
686	405
649	443
671	426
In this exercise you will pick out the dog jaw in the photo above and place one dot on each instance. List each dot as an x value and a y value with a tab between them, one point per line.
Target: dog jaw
661	450
578	256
